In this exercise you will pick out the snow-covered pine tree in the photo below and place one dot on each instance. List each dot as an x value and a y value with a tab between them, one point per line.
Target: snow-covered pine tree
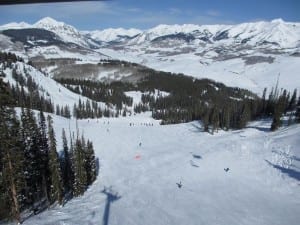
56	188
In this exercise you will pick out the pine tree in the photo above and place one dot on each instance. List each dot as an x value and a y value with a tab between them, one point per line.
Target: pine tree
263	103
214	118
11	157
33	156
297	115
124	113
90	164
278	110
226	118
293	101
56	189
80	176
244	116
44	148
205	120
67	166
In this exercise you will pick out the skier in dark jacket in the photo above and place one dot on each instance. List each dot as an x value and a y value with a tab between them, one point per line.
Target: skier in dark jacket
179	184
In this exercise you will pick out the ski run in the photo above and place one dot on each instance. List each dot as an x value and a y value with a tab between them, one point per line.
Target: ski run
248	176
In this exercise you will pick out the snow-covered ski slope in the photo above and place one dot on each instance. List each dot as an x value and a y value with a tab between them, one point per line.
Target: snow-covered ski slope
261	186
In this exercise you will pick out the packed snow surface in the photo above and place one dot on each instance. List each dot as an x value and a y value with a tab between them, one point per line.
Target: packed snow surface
141	166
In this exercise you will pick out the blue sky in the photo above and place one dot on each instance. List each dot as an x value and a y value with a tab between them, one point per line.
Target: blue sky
145	14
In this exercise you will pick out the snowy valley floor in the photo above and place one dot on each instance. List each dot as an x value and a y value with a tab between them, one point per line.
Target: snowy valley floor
262	185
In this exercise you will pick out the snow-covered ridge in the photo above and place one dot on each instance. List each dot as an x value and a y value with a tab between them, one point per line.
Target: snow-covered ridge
15	25
285	34
111	34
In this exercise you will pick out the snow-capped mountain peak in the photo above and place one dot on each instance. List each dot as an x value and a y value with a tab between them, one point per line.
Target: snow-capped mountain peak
278	20
48	22
66	32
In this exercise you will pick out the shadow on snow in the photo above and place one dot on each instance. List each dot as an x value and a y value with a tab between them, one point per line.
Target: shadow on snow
290	172
111	196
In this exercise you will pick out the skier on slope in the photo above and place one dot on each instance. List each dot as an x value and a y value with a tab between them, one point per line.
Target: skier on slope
179	184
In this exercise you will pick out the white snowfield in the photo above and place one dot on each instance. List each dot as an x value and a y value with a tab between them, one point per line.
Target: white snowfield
112	34
141	164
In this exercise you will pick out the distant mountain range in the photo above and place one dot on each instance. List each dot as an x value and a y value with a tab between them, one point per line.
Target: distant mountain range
248	55
277	32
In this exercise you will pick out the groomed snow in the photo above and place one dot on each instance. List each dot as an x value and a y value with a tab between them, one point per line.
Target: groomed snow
261	186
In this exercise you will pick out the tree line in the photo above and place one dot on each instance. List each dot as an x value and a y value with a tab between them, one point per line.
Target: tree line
25	92
189	99
33	175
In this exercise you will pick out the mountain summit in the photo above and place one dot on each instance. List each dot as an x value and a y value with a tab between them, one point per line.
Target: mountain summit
66	32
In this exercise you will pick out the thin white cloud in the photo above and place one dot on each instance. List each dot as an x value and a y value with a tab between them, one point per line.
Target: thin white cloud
175	11
213	13
135	10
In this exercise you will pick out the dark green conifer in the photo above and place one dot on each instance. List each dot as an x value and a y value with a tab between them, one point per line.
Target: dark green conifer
67	165
90	164
11	159
80	176
56	189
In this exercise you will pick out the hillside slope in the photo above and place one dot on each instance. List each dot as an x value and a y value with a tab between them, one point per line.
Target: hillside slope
261	186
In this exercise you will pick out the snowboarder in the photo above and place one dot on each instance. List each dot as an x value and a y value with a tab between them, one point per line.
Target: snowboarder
226	169
179	184
140	144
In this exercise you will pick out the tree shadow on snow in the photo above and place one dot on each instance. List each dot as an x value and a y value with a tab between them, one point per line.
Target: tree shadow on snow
111	196
290	172
263	126
197	128
259	128
97	166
